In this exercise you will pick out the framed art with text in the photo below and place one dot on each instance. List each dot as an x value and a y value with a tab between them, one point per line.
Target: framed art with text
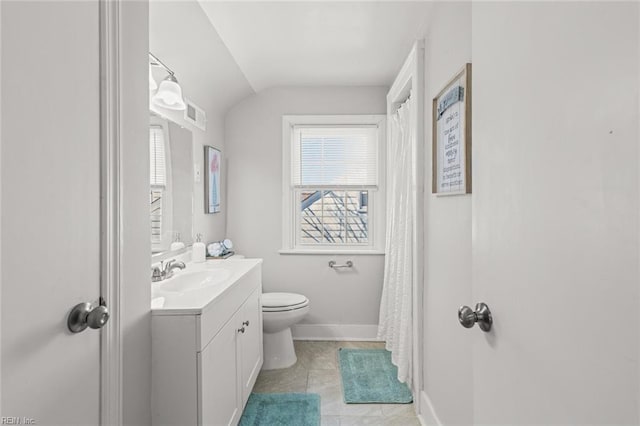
452	136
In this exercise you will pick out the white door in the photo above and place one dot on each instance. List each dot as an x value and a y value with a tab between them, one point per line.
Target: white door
220	395
555	212
50	186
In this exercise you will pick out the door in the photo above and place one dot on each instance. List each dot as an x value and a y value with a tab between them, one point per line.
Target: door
555	212
250	343
220	393
50	186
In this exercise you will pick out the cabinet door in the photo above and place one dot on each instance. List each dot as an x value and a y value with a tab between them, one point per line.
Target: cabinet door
250	343
219	397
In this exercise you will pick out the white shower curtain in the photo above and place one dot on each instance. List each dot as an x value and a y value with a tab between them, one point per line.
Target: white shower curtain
396	307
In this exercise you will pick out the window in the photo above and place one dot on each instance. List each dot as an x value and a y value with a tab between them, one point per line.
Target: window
333	198
155	203
157	156
158	181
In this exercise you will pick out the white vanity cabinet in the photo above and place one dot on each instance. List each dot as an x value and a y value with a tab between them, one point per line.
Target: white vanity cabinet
205	364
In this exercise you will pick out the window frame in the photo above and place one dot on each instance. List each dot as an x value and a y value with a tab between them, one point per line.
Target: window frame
376	210
167	199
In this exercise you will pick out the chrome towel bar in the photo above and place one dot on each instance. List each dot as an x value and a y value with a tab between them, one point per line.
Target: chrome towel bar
334	265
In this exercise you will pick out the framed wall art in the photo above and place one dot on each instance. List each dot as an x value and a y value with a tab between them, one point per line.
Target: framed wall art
452	136
212	163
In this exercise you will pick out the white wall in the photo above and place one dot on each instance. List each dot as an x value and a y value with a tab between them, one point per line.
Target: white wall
447	358
555	211
1	139
209	77
135	288
254	147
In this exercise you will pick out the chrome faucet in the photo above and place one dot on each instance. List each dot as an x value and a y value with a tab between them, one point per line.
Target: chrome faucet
165	271
170	266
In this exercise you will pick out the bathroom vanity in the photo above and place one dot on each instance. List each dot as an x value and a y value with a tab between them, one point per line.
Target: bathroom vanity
206	342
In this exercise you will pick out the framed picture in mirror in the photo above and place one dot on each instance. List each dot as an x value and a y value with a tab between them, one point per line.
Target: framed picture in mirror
212	163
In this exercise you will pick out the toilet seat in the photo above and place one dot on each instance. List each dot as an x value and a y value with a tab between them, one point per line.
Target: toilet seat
280	302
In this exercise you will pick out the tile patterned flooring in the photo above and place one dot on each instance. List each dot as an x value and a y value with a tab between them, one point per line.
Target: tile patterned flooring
317	371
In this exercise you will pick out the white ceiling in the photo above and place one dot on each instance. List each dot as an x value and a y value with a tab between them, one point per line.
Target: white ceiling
318	43
183	38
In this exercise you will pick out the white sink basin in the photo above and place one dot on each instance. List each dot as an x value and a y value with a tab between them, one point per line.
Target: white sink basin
191	290
189	281
157	302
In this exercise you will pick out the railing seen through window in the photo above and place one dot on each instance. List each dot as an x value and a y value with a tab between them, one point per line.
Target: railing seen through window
334	216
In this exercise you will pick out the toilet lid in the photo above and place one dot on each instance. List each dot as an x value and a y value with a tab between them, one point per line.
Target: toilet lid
283	301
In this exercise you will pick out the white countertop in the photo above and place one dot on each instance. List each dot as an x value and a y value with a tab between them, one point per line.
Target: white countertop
174	297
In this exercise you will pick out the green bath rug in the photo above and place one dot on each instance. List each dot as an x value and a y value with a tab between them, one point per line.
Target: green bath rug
368	376
282	409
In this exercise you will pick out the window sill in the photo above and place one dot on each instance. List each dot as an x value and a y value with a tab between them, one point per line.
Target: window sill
331	252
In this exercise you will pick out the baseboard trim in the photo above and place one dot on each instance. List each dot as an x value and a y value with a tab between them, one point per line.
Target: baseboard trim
427	416
337	332
422	421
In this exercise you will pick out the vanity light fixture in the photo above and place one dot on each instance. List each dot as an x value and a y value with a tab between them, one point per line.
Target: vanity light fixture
169	94
152	83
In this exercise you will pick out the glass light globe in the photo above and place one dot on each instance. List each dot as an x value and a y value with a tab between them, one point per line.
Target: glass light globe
169	95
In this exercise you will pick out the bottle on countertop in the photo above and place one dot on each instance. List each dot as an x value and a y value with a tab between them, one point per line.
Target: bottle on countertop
198	250
176	244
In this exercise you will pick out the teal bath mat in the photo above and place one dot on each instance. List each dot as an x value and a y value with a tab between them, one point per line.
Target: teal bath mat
282	409
368	376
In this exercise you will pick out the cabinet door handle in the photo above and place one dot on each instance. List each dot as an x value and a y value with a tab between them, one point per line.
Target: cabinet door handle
241	330
246	323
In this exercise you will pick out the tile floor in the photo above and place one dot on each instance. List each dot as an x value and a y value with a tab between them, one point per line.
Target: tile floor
317	371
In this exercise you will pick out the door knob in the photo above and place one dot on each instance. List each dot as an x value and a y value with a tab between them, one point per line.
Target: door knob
245	323
98	317
241	330
83	315
482	316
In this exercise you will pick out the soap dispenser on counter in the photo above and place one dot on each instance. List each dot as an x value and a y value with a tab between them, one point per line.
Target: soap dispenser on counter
176	244
198	250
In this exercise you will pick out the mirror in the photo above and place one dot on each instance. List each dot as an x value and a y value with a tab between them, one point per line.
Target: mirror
170	185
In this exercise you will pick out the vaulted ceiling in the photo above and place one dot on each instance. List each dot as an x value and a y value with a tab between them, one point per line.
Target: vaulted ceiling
321	43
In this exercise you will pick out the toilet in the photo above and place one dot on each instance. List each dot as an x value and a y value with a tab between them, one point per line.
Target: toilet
279	312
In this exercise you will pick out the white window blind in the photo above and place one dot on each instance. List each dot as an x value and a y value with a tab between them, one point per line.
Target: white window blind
157	156
335	156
